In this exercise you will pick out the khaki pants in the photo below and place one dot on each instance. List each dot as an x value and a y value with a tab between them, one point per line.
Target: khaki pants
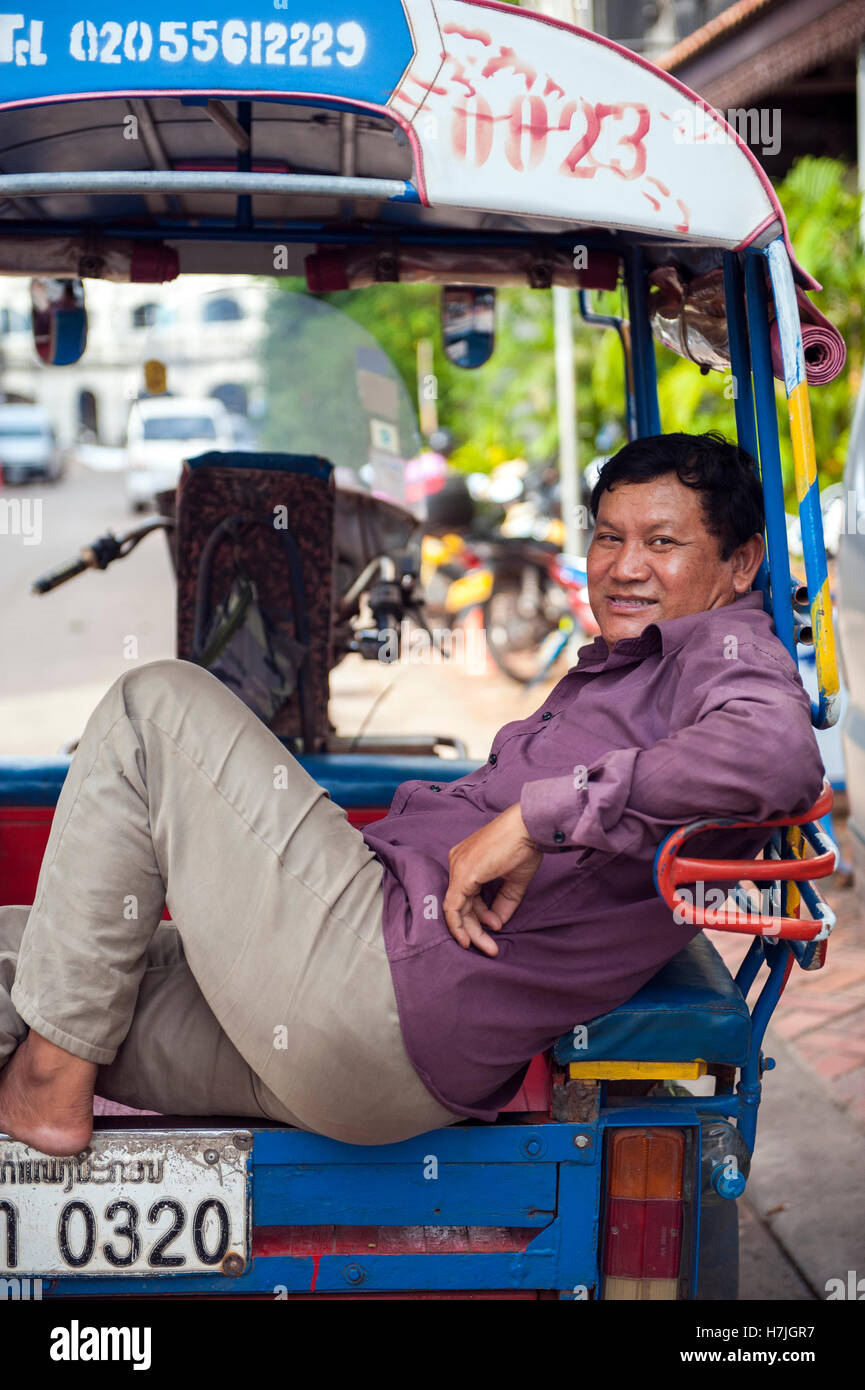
270	993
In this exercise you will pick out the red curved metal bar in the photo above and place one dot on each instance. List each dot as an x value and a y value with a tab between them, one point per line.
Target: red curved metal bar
671	870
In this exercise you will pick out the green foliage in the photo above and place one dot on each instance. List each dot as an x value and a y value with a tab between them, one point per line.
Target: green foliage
507	407
821	203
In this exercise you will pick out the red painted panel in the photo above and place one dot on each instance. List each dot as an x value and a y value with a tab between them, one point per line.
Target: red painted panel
355	1240
23	837
365	815
535	1092
310	1241
24	834
402	1240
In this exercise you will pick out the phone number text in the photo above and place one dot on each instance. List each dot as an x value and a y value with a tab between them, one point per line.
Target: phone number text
268	43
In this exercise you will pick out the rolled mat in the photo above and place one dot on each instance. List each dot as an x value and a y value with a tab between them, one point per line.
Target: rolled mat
824	348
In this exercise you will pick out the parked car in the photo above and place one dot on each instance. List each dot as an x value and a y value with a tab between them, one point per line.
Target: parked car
163	431
28	444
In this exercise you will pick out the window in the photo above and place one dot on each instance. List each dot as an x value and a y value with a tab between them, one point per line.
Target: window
11	321
221	310
143	315
179	427
88	413
22	429
233	396
164	315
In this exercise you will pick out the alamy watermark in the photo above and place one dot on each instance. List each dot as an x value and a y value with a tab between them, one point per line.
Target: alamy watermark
416	646
22	516
714	899
759	126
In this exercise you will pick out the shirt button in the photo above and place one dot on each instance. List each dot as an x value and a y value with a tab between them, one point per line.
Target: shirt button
434	787
559	836
546	715
494	757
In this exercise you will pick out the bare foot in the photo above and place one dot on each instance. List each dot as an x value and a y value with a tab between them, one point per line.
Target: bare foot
46	1097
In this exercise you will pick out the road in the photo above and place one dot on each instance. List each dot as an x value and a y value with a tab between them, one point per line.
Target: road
62	651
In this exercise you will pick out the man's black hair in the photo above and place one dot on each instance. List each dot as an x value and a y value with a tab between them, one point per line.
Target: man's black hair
726	477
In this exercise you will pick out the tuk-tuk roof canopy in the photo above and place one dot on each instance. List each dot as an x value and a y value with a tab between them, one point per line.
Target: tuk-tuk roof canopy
404	117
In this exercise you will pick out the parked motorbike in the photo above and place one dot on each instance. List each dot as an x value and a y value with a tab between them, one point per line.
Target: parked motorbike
538	602
534	596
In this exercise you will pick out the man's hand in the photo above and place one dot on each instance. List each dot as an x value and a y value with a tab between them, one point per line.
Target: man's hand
505	849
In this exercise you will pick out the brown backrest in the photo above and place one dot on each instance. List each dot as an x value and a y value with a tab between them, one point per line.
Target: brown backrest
292	497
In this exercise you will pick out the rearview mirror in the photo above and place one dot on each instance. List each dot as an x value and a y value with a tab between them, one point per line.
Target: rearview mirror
468	314
59	320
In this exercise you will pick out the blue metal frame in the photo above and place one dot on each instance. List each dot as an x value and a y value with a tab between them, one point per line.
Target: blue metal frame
589	315
642	343
770	453
743	386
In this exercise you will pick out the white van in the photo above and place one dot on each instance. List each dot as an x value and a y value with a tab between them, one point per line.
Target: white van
28	445
163	431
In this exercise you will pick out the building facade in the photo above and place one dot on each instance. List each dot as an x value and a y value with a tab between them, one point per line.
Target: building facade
206	329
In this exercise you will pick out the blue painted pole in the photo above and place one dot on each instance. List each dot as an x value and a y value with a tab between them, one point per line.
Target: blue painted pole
770	453
642	344
743	386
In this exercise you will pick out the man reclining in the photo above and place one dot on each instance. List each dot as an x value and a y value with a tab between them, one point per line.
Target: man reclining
374	985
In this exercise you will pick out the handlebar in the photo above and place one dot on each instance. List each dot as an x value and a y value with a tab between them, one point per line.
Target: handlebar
100	553
53	578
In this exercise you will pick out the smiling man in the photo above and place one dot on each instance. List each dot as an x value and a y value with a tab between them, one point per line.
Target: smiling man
375	985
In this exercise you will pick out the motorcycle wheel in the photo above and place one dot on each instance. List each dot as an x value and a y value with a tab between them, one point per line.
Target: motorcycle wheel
515	638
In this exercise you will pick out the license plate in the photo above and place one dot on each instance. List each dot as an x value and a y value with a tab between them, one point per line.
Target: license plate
150	1202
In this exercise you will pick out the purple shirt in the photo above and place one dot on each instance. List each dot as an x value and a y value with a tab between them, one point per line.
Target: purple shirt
699	715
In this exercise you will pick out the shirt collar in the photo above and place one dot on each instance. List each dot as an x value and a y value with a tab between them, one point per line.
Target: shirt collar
666	636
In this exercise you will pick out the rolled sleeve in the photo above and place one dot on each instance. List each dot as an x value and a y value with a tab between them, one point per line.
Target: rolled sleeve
748	753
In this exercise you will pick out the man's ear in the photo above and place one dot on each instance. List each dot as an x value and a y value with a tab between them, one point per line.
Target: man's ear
746	560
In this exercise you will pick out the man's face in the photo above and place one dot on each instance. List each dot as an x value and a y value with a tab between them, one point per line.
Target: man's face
651	558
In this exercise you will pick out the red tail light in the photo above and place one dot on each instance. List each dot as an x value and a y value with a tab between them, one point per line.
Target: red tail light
644	1214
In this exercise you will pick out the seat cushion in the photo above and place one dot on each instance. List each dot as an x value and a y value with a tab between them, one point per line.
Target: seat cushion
691	1008
352	779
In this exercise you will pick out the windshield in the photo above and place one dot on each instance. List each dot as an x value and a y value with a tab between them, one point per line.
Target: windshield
22	431
330	390
179	427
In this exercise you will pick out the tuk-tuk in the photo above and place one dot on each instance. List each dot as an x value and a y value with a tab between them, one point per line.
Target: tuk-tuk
474	145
